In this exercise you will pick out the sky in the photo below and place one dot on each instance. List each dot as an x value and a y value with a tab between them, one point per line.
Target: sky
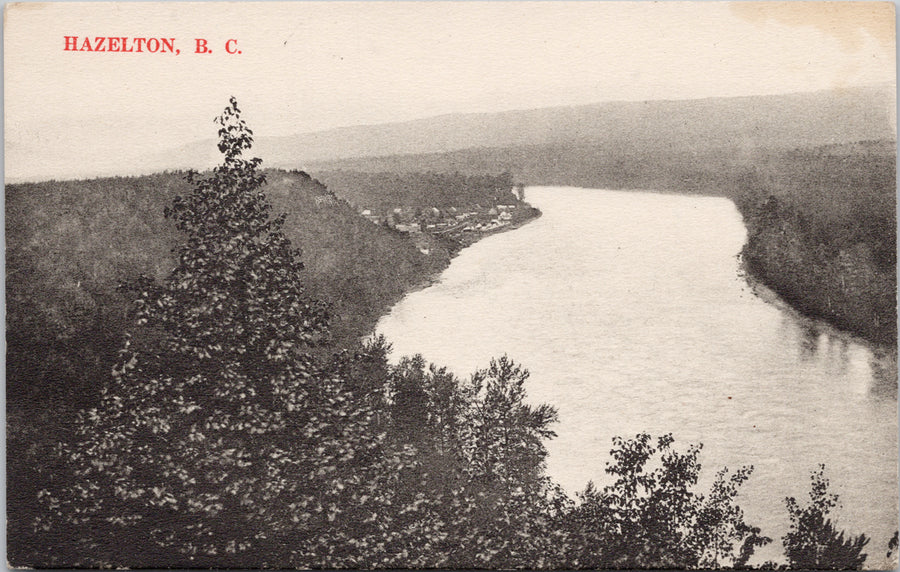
306	66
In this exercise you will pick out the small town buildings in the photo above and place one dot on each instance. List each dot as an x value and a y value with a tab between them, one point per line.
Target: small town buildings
412	227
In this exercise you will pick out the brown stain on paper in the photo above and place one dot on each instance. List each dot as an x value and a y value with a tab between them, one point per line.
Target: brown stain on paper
848	22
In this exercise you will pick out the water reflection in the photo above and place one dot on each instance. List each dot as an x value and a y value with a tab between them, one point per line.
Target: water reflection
883	364
808	338
843	355
873	369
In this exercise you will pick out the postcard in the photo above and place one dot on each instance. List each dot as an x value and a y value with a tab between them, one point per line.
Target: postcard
540	285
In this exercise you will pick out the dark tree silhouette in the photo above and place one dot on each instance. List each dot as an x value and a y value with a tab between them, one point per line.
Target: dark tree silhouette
813	542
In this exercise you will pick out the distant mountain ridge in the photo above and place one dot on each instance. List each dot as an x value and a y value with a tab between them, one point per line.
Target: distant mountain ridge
782	121
771	121
793	120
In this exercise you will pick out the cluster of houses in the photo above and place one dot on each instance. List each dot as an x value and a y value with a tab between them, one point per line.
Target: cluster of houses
433	220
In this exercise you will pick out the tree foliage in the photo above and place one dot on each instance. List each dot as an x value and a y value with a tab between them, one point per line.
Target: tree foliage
481	495
220	441
813	542
651	517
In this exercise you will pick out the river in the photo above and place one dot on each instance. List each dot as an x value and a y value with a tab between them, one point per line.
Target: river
631	313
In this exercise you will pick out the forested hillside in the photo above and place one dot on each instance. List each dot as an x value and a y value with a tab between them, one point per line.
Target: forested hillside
780	121
70	244
624	166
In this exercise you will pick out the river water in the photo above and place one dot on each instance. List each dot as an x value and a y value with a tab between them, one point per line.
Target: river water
630	311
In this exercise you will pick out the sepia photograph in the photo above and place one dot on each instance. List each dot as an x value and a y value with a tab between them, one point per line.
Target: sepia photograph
542	285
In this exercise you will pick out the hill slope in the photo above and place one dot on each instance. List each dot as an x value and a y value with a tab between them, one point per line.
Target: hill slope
70	244
780	121
689	126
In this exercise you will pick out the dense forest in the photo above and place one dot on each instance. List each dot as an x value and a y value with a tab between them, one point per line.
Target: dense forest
626	165
822	233
71	245
219	434
380	191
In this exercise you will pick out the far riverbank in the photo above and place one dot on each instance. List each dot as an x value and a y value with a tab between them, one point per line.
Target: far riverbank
528	213
843	282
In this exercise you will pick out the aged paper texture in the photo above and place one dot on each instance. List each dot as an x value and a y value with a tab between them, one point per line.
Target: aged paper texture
543	285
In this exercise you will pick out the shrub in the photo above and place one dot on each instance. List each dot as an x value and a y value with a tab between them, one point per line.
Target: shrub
813	542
